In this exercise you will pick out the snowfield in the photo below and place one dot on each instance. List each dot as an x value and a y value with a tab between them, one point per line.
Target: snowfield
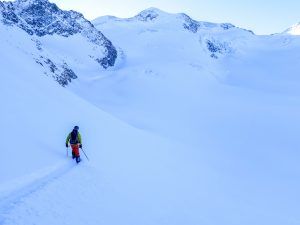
197	123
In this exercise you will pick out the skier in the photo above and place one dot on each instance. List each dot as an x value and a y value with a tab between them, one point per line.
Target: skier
75	141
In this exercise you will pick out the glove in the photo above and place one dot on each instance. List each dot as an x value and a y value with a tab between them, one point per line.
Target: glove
80	146
67	145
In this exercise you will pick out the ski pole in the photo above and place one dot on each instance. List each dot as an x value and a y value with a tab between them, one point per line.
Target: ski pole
85	154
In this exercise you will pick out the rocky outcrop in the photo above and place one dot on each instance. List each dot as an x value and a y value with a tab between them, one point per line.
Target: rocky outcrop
41	18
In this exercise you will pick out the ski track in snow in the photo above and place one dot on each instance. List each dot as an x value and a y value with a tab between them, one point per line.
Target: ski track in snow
61	198
31	185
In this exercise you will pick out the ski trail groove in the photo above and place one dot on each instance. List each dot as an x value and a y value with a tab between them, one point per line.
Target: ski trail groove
43	178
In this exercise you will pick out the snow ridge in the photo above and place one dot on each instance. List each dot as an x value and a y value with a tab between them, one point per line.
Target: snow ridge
294	30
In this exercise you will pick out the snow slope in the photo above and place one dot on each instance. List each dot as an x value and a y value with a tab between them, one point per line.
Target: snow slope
40	185
207	130
169	71
238	111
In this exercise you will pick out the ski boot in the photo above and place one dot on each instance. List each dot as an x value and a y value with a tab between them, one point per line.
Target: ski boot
78	159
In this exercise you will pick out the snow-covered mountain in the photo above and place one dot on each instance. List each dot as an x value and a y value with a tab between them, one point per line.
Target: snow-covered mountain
200	124
155	20
55	36
293	30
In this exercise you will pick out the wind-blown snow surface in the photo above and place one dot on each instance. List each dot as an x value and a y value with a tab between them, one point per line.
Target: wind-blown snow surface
217	141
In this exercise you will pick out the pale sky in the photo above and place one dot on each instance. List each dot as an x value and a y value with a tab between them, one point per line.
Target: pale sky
260	16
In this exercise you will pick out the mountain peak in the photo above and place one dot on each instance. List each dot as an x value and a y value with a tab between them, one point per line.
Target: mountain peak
153	10
150	14
293	30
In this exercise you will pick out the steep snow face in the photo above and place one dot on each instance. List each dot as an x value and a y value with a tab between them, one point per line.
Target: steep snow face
294	30
43	20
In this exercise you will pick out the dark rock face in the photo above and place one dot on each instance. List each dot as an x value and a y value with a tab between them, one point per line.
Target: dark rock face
194	26
147	15
40	18
216	47
66	76
44	18
190	24
9	17
63	74
227	26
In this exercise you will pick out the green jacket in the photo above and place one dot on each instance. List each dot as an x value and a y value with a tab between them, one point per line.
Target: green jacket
78	138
